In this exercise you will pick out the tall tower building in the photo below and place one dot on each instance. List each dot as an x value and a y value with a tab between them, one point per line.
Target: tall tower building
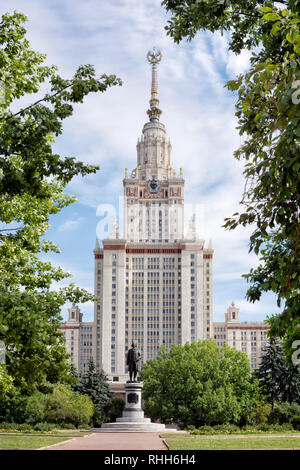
154	284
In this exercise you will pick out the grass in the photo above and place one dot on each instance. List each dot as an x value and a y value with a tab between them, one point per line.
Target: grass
230	443
28	442
45	433
244	433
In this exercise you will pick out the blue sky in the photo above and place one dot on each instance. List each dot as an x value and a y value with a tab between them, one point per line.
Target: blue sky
114	36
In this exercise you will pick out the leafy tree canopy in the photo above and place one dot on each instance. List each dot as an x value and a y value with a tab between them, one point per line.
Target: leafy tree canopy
199	384
32	182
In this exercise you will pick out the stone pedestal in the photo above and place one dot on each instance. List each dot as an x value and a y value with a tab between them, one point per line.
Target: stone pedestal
132	419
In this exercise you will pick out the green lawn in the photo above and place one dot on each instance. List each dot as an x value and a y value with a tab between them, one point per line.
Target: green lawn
28	442
252	443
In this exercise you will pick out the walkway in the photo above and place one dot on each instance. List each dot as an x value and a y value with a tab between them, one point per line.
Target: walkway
114	441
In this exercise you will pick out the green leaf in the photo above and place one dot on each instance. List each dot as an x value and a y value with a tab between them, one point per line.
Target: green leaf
271	17
265	9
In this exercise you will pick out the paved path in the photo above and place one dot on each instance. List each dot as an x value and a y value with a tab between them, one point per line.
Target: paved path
114	441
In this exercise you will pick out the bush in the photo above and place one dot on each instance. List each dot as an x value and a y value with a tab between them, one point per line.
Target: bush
15	426
12	409
35	408
296	423
84	426
66	407
46	427
275	427
67	426
61	407
249	428
203	430
285	413
24	427
8	426
97	418
191	427
229	428
114	409
261	413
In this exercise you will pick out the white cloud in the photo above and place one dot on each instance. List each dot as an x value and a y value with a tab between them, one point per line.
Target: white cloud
70	225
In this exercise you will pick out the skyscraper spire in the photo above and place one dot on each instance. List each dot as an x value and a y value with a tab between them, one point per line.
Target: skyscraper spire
154	112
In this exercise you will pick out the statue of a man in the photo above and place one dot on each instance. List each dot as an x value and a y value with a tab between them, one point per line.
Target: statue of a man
133	361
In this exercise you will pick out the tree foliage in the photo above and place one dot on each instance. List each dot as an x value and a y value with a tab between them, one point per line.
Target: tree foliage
94	384
268	97
32	182
279	381
199	384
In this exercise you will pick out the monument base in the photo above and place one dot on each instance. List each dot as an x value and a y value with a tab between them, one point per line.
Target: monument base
132	419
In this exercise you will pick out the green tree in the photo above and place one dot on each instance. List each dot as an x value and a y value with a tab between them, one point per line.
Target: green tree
279	381
95	385
269	116
66	406
6	383
199	384
32	182
272	371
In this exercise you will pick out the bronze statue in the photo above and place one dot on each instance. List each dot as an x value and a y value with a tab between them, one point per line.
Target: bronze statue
133	361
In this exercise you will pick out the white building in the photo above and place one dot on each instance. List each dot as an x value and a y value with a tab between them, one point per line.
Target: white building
79	336
248	337
154	284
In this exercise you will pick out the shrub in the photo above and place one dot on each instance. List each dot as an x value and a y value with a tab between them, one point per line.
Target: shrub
226	428
12	409
66	407
203	430
84	426
275	427
44	427
191	427
296	423
62	406
35	408
262	413
23	427
284	413
114	409
7	426
15	426
249	428
67	426
7	388
97	418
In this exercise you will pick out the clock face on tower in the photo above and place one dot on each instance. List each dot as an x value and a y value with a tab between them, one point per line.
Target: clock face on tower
153	185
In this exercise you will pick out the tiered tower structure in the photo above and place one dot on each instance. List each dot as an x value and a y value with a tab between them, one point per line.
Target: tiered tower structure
154	284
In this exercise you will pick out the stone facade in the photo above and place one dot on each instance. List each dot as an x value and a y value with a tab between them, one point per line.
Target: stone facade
79	336
154	283
248	337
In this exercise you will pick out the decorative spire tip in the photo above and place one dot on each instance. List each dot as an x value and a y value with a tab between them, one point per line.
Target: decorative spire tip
154	57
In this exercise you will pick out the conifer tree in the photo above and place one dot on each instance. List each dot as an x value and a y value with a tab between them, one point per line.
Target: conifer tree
279	381
95	385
